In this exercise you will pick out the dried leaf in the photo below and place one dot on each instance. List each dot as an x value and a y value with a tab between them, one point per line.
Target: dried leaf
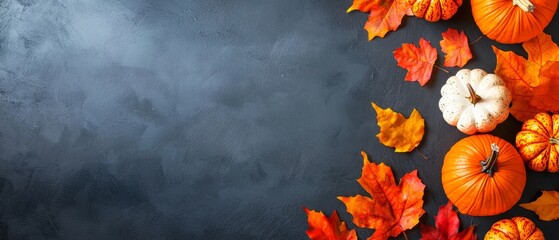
328	228
418	61
392	208
385	15
546	206
397	131
533	82
447	223
456	47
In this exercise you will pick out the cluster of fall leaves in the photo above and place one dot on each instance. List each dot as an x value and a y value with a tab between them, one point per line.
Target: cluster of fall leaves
392	209
419	61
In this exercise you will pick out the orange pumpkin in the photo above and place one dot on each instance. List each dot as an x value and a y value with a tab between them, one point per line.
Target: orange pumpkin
513	21
434	10
520	228
538	142
483	175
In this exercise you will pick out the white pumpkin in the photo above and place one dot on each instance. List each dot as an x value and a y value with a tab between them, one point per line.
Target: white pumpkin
474	101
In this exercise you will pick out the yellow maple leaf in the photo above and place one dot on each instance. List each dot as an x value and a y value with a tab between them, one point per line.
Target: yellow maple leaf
397	131
546	206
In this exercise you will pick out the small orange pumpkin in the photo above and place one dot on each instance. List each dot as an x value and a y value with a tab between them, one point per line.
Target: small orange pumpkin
512	21
434	10
538	142
516	228
483	175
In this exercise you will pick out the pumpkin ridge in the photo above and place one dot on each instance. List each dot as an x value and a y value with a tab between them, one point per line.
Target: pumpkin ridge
537	152
506	233
502	178
457	202
482	185
535	21
518	227
500	13
544	126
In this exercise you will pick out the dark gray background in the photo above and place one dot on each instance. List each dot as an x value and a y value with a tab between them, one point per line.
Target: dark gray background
131	119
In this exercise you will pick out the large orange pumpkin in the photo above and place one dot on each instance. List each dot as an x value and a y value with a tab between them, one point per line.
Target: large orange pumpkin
517	228
538	142
483	175
434	10
513	21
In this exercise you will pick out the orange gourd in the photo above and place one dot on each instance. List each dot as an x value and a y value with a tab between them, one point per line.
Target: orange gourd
516	228
483	175
513	21
538	142
434	10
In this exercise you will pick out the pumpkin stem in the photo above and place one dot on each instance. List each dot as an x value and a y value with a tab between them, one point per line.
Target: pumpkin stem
553	141
525	5
488	166
474	98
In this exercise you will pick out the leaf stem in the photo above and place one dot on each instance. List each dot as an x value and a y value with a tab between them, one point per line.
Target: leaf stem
442	69
421	153
479	38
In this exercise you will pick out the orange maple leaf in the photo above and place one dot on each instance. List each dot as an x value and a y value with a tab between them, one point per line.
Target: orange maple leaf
328	228
397	131
385	15
392	208
447	224
546	206
541	49
456	47
546	95
418	61
531	81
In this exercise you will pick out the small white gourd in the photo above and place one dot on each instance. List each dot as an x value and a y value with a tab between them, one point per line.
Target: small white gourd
474	101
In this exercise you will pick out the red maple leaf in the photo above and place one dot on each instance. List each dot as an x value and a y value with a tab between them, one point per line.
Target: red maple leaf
447	224
418	61
327	228
385	15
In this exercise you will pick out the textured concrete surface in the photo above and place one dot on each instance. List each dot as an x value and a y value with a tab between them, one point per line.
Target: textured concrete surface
135	119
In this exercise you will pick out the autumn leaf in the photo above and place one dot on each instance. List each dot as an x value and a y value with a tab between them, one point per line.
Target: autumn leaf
531	81
397	131
456	47
418	61
541	49
385	15
546	206
447	225
392	208
328	228
518	78
546	95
